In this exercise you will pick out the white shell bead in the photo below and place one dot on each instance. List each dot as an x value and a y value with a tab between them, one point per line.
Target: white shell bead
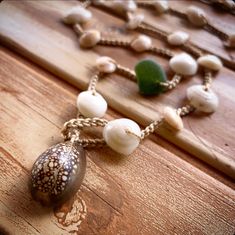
90	38
77	15
203	100
177	38
183	64
172	118
211	62
161	6
91	105
141	43
196	16
122	135
135	21
124	5
106	64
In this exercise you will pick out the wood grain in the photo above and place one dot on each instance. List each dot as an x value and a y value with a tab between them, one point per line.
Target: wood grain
151	192
45	33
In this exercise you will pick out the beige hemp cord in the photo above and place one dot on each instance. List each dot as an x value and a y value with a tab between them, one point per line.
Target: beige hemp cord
148	29
71	131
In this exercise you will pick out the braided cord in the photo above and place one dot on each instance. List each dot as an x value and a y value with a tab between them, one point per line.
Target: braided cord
211	28
192	49
177	13
78	29
113	42
207	79
163	52
144	27
71	131
173	83
151	128
93	82
185	110
126	72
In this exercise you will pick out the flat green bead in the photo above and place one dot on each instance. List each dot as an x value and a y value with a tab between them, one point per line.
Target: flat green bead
149	76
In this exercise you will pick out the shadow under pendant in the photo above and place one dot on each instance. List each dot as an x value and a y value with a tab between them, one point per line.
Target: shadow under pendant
58	173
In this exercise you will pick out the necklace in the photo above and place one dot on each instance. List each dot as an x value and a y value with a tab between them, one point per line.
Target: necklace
182	64
135	21
193	14
58	172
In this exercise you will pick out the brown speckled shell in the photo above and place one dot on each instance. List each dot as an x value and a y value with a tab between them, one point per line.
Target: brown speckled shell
58	173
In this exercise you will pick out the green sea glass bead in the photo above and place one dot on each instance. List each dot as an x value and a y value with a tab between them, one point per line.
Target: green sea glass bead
149	76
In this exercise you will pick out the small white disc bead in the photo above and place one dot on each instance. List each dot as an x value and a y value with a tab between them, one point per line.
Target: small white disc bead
161	6
177	38
89	38
210	62
122	135
183	64
203	100
78	15
106	64
135	21
123	5
196	16
172	118
141	43
91	105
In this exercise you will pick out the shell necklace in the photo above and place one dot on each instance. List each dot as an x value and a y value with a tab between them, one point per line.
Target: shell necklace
58	172
193	14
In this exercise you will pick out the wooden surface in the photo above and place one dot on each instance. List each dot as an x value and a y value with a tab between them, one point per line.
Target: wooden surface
160	189
40	19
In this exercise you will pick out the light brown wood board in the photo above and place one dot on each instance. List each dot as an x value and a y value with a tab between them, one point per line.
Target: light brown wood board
35	30
157	190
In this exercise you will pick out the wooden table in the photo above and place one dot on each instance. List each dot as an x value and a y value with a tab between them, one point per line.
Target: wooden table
160	189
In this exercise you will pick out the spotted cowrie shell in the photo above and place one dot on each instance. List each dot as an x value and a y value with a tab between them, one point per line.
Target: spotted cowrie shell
57	174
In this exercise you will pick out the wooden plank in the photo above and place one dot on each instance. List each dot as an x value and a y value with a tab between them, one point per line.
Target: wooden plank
72	64
151	192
